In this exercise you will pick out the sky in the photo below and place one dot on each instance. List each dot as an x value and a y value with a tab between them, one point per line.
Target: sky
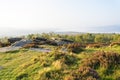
19	17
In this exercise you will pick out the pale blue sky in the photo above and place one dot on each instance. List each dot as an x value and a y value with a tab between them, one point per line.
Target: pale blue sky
30	16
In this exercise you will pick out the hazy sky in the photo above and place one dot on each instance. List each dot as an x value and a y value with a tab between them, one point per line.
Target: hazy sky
28	16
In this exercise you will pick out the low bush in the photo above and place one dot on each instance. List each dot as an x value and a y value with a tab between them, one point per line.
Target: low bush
75	47
115	43
103	59
67	58
53	75
83	73
22	76
108	61
30	45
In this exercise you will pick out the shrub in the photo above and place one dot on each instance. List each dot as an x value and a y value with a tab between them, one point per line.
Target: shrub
30	45
4	44
115	43
83	73
118	78
75	47
53	75
21	76
96	45
103	59
67	58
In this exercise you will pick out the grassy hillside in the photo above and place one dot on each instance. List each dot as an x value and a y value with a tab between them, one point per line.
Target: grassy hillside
90	64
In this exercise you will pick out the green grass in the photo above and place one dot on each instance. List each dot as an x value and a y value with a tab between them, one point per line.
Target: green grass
31	65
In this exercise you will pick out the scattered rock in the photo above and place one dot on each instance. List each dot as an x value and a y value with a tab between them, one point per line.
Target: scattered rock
12	40
10	48
21	43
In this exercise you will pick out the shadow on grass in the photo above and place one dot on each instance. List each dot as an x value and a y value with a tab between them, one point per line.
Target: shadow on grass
15	51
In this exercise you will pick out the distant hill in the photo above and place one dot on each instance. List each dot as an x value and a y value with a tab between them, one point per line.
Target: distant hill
106	29
99	29
69	33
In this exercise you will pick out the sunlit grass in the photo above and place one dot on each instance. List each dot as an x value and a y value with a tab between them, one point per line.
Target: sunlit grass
33	65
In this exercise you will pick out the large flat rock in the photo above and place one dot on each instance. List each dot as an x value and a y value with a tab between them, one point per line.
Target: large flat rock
10	48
